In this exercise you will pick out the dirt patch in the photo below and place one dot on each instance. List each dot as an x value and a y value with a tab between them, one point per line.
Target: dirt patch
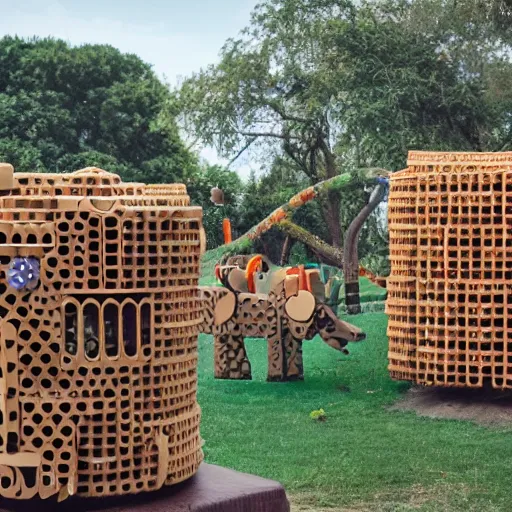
445	497
489	407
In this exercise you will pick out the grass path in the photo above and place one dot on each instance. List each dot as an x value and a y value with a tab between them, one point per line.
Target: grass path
363	457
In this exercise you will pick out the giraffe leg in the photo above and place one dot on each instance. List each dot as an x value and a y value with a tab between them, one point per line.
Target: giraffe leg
294	364
231	360
276	357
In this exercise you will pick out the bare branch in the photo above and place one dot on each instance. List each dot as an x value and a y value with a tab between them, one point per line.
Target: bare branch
245	148
269	134
287	117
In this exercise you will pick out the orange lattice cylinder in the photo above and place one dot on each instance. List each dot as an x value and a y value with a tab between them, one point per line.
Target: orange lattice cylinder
98	363
450	289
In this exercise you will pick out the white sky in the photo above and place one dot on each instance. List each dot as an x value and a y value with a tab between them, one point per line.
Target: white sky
177	36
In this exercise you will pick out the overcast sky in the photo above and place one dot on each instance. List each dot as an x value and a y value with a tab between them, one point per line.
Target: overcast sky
177	36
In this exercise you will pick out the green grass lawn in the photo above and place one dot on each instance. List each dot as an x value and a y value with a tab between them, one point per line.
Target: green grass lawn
363	457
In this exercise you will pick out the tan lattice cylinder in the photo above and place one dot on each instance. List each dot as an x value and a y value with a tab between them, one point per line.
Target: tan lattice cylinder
98	363
450	289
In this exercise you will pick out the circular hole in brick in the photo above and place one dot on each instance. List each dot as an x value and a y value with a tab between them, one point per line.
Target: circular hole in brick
83	371
25	335
58	443
65	407
10	299
28	430
47	431
96	371
28	407
37	442
81	406
35	347
65	383
53	371
46	383
36	371
47	407
22	311
63	468
45	335
52	262
34	323
5	482
46	358
54	347
78	261
27	383
64	273
63	226
49	455
65	456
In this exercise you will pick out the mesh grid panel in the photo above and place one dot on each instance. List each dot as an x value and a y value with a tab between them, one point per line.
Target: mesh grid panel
99	363
450	289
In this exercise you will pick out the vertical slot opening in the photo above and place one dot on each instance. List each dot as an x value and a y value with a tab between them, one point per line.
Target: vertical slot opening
145	324
111	330
129	321
91	330
71	328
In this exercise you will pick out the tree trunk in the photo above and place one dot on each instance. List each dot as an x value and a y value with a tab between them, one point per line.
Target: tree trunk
350	251
331	255
331	214
285	253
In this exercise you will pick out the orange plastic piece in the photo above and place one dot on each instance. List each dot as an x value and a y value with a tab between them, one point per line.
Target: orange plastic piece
226	229
252	266
301	272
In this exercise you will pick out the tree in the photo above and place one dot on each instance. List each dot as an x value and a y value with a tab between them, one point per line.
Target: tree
334	85
63	107
268	90
350	248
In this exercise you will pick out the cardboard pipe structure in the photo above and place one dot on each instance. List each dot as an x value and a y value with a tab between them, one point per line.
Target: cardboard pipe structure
97	360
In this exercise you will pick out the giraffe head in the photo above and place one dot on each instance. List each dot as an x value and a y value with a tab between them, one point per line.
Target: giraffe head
335	332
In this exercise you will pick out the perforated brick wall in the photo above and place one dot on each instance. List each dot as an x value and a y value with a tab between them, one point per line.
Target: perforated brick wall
98	364
450	289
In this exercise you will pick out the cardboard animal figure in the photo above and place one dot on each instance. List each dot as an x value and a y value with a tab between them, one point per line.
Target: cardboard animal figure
99	317
285	316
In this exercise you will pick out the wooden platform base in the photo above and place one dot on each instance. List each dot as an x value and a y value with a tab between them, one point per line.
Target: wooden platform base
212	489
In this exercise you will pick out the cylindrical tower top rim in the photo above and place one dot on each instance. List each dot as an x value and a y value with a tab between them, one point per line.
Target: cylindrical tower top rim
460	157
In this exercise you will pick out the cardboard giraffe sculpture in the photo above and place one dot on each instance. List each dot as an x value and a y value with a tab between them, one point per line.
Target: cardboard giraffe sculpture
99	315
285	307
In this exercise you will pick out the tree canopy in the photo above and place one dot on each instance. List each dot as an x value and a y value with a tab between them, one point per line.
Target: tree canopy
64	107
